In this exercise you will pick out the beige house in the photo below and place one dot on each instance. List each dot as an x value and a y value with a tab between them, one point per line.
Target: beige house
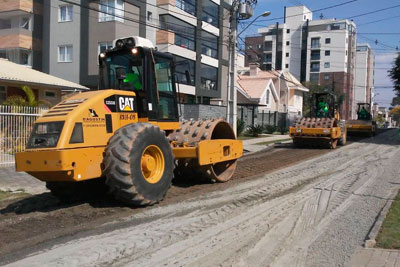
46	87
268	92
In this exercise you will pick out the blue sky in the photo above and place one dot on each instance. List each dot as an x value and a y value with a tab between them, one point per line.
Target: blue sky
368	28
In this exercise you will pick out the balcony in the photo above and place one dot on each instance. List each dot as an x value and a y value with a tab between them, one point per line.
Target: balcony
315	55
16	41
315	46
25	5
165	37
166	2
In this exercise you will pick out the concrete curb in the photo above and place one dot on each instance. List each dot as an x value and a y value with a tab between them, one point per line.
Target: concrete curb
370	242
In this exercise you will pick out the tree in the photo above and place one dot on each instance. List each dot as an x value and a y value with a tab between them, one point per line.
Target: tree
396	101
394	74
315	88
28	101
395	113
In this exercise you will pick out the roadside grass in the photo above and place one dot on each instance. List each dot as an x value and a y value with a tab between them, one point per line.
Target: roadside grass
389	234
274	141
6	195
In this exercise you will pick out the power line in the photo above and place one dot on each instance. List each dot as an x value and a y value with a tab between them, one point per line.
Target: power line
336	82
316	10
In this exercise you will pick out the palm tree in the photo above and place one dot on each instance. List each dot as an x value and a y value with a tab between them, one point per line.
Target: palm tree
28	101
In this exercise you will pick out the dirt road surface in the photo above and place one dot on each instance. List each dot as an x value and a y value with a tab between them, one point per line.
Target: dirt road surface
314	213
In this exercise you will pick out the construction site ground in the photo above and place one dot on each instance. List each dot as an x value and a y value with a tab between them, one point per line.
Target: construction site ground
283	207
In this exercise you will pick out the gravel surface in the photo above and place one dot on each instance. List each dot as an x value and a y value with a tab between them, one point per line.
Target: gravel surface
315	213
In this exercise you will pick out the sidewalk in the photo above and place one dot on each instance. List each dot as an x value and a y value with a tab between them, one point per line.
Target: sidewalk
371	257
251	145
10	180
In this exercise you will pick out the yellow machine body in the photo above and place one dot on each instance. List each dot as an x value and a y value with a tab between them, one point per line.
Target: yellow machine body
100	114
323	133
361	126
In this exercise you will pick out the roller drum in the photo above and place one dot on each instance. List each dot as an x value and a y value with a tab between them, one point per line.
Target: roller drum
194	131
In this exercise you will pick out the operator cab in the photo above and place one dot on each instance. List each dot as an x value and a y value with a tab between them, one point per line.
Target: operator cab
324	105
364	111
134	65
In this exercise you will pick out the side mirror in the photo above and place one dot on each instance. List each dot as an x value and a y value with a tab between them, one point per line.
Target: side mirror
188	78
120	73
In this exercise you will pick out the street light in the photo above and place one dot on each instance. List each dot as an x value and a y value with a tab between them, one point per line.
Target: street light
265	14
232	93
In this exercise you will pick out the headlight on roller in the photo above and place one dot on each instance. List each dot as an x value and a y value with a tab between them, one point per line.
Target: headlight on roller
326	131
298	130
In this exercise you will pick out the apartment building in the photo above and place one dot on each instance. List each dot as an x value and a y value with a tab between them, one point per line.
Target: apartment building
64	38
21	32
319	51
364	80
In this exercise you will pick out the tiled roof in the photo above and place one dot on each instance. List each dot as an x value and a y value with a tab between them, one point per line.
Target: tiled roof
254	86
10	72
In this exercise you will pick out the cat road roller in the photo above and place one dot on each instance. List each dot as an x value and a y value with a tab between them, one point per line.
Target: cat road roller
323	129
129	137
364	123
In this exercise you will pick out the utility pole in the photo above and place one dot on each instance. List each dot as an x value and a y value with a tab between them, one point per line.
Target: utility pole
241	9
231	113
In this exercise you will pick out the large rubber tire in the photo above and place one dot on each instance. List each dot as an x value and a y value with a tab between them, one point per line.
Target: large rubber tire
123	164
343	139
70	192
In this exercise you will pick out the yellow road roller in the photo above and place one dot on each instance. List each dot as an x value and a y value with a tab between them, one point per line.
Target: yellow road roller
364	125
129	136
323	129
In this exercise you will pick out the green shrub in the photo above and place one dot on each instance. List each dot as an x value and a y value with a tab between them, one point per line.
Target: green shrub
240	127
255	130
269	129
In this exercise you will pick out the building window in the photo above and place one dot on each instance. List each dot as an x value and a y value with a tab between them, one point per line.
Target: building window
65	53
182	66
327	76
50	94
209	44
184	32
210	12
65	13
315	55
327	65
288	31
25	23
209	77
327	52
267	97
111	10
17	55
259	46
287	66
314	66
149	16
314	78
287	42
287	54
315	43
268	58
103	47
346	52
3	94
187	5
327	40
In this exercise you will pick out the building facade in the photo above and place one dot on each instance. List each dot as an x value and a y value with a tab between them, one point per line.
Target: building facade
318	51
364	82
64	38
21	32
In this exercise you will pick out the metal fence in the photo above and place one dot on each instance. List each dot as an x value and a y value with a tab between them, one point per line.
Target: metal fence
15	127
